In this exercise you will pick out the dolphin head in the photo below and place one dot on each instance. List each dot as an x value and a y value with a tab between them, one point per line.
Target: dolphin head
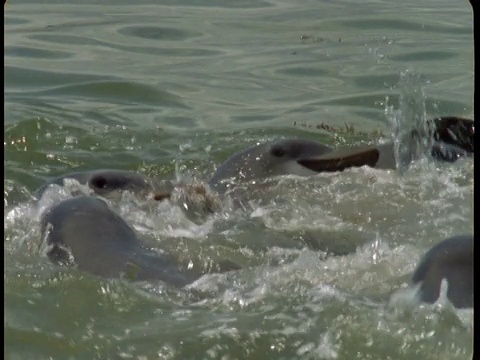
281	157
103	182
110	182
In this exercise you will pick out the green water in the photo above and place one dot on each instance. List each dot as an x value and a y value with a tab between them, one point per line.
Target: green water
172	88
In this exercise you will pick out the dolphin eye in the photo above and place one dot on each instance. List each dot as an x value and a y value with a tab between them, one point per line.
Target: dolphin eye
99	182
277	151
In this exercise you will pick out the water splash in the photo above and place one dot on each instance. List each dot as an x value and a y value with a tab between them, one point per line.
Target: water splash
408	123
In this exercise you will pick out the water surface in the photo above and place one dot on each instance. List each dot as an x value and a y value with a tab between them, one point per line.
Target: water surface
171	90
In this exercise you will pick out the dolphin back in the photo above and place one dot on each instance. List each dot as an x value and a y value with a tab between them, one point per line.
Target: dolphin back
451	259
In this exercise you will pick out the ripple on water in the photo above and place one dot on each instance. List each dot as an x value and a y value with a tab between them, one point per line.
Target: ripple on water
158	33
180	121
79	41
253	118
424	56
432	105
246	4
70	40
374	81
8	20
21	78
29	52
115	92
397	24
303	71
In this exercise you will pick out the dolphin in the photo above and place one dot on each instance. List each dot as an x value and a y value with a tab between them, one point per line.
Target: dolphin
85	232
451	259
105	182
452	138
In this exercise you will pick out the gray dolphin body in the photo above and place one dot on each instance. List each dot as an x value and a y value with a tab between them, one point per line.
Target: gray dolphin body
104	182
451	139
103	244
451	259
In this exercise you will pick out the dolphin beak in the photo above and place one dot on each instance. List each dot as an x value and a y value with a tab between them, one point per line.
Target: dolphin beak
341	159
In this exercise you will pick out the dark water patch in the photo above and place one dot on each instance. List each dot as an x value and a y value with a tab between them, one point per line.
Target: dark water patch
304	109
158	33
178	52
134	110
15	21
22	51
70	40
424	56
21	78
302	71
87	19
188	52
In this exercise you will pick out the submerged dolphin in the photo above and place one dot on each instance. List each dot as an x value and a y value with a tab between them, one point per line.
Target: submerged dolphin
85	231
452	138
451	259
104	182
